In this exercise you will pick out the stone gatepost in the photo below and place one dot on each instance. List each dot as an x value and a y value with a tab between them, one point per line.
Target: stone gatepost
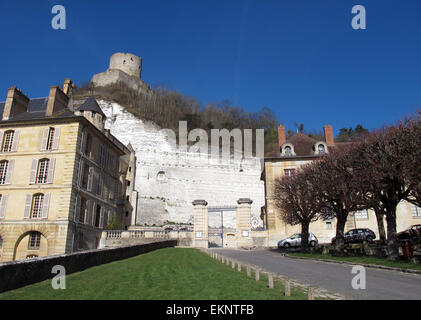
243	218
200	224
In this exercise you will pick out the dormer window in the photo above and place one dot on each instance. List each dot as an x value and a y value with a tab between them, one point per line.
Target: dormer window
287	150
320	148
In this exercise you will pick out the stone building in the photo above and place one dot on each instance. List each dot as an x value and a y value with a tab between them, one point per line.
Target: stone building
298	150
63	177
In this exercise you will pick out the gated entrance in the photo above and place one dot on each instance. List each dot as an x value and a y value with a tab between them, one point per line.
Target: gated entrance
221	220
226	226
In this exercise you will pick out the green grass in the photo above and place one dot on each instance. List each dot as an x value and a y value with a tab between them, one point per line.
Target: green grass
166	274
362	259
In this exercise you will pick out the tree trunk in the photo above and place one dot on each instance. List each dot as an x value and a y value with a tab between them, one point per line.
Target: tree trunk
304	236
380	225
339	240
392	240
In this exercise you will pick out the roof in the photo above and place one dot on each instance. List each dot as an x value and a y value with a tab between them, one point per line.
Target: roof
303	145
38	106
36	111
90	104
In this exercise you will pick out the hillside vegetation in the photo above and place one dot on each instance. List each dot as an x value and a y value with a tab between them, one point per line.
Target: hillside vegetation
167	107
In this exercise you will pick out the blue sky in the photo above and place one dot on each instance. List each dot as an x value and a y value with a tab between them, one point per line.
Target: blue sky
301	58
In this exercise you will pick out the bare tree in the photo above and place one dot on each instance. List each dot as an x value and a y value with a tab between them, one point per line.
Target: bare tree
294	197
339	189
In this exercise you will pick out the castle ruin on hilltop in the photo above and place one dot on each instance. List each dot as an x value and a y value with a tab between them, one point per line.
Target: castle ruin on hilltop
124	68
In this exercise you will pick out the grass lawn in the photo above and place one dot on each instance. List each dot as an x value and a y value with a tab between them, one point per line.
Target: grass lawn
363	259
166	274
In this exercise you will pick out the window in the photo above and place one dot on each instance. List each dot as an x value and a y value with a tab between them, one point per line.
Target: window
31	256
361	215
85	177
34	240
287	150
88	146
37	202
8	141
50	139
329	225
416	211
97	215
82	212
321	149
3	171
289	172
1	244
42	174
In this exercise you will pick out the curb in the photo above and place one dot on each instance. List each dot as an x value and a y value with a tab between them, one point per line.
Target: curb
374	266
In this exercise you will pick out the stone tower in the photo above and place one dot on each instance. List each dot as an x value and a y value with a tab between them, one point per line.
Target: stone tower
125	68
126	62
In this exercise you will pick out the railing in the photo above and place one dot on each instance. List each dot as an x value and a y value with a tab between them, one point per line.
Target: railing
137	234
114	234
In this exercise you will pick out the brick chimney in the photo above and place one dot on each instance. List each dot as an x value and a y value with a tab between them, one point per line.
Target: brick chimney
57	100
281	135
329	135
16	103
68	86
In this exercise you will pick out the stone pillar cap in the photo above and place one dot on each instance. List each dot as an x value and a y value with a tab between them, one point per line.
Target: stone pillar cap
199	203
244	200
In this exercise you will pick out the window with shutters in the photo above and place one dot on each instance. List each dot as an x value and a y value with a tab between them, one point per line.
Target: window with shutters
37	203
3	171
42	173
8	141
50	139
34	240
83	209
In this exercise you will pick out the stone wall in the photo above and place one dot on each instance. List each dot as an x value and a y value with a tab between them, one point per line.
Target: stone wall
21	273
168	180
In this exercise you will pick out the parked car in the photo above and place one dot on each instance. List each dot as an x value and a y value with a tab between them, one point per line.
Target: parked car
358	235
295	241
412	232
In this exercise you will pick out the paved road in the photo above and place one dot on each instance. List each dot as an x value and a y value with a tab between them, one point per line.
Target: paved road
380	284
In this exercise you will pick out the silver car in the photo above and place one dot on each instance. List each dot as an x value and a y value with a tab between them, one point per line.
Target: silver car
295	241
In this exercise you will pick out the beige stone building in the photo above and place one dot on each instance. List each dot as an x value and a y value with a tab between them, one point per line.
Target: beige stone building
63	176
296	151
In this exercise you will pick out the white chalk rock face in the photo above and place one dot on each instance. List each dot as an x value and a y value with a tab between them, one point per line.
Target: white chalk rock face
169	180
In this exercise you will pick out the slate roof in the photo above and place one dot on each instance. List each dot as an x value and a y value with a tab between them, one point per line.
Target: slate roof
38	106
303	145
90	104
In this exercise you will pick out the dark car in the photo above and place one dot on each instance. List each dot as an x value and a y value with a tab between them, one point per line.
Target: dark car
413	232
358	235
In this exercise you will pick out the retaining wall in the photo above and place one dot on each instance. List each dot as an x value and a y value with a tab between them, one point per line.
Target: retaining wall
16	274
